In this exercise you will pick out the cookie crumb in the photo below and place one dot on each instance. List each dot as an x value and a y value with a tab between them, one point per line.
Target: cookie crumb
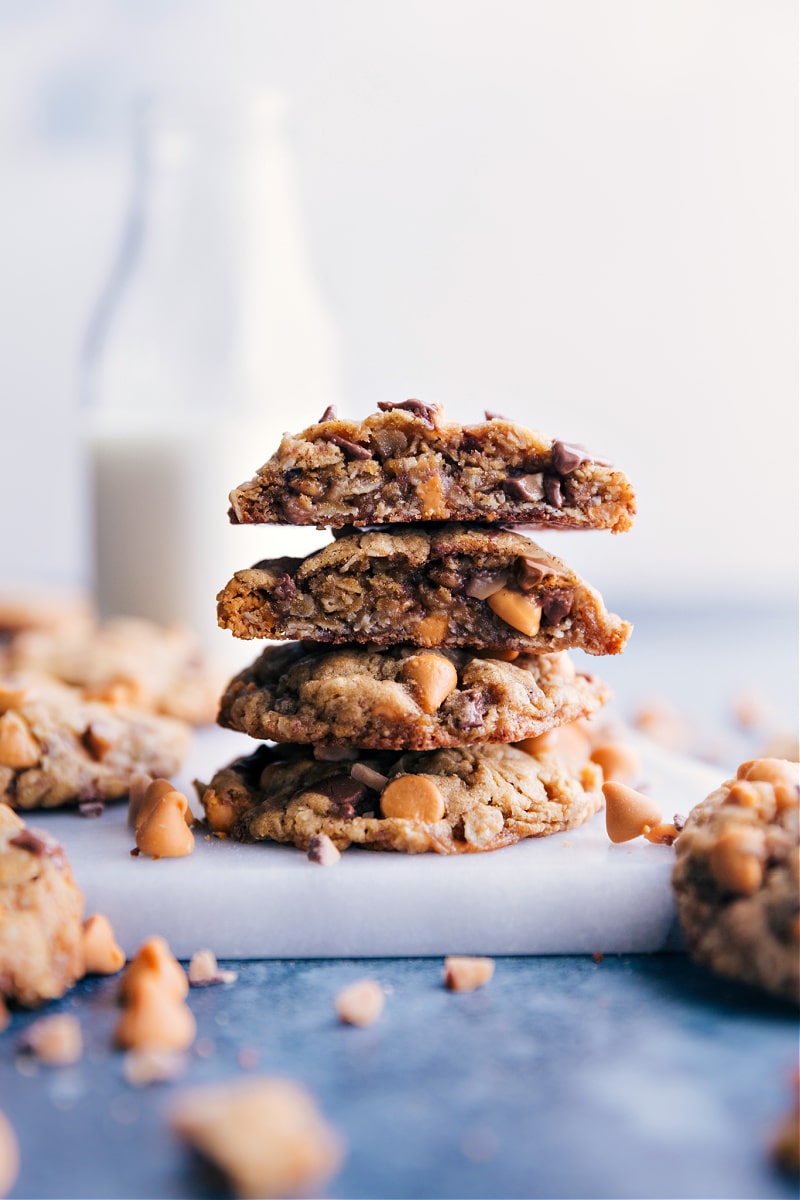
322	851
91	808
463	973
661	835
56	1041
204	970
786	1146
5	1015
9	1155
361	1003
598	956
265	1134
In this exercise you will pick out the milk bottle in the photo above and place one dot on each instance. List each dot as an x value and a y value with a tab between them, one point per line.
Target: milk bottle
209	340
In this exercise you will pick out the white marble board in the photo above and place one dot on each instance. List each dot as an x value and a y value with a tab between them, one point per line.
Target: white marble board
572	893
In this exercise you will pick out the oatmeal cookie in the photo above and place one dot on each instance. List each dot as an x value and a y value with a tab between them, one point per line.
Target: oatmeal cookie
451	801
41	933
401	698
156	668
736	878
441	586
56	747
406	463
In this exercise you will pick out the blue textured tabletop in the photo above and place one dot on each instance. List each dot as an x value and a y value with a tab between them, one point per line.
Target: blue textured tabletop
564	1077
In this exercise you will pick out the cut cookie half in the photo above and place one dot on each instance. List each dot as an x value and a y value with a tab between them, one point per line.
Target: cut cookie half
406	463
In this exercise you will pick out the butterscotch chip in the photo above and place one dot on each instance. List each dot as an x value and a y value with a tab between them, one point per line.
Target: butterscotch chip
9	1156
154	1018
737	878
55	1040
466	973
358	696
152	1065
570	743
617	762
102	955
361	1003
144	796
154	960
422	588
41	933
413	798
628	812
407	463
163	832
493	796
18	746
265	1134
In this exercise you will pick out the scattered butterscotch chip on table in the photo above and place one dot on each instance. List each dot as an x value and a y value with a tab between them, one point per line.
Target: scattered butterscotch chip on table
153	989
56	1040
162	825
629	813
152	1064
465	973
102	955
361	1003
265	1134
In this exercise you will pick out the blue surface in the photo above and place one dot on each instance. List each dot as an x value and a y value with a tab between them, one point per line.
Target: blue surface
632	1077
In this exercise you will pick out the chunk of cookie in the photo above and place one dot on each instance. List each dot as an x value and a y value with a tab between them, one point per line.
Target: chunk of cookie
57	748
404	698
127	660
450	801
41	931
406	464
442	586
266	1135
736	878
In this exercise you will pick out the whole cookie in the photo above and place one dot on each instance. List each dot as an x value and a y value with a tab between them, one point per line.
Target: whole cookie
451	801
57	747
736	878
41	935
404	698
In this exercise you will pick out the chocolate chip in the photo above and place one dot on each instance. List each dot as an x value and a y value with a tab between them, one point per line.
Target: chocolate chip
39	843
285	589
532	568
678	821
569	455
552	491
466	709
525	487
350	449
91	808
250	768
425	412
556	605
344	793
328	415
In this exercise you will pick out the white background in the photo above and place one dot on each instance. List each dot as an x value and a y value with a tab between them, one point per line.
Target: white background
582	214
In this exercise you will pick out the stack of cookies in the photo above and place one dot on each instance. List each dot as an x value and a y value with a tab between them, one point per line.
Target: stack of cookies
415	704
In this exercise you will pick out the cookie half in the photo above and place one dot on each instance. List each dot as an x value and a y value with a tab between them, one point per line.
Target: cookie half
58	748
441	586
41	932
406	463
404	698
737	881
451	801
